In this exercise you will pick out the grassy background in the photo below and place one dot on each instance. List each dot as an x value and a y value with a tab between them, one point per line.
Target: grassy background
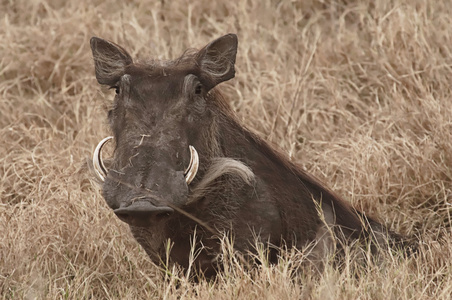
357	92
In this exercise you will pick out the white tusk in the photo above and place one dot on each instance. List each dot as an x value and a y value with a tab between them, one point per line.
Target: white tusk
192	169
98	164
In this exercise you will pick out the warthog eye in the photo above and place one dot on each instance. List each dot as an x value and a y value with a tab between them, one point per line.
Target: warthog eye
198	89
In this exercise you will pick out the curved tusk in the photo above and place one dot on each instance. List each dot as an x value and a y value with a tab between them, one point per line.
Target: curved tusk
98	164
192	169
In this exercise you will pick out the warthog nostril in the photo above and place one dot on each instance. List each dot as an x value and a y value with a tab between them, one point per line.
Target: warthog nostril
142	213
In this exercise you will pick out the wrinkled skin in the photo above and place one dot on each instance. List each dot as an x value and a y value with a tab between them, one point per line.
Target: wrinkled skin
162	107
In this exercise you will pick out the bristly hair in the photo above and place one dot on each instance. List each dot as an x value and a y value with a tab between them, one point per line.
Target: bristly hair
218	167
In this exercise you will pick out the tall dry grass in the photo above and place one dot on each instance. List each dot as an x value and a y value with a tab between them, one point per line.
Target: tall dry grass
357	92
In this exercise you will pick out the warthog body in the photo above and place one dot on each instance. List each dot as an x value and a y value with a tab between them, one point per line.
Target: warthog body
183	163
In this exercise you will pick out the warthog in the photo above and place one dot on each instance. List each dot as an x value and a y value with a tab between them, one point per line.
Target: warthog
185	169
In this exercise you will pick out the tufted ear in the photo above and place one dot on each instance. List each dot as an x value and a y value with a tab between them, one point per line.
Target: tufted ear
110	60
216	60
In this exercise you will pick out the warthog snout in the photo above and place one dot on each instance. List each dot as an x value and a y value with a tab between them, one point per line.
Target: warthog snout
142	213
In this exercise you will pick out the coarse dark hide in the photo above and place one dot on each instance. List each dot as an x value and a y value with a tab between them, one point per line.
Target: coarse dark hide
184	169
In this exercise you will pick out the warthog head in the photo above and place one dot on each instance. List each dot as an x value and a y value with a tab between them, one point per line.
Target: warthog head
156	117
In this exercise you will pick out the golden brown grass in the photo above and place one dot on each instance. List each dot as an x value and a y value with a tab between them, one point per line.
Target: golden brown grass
357	92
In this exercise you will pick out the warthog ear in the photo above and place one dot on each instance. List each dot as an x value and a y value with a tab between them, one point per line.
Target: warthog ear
217	59
110	61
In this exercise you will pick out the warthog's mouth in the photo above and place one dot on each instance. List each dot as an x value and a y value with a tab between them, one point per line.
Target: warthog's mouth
101	171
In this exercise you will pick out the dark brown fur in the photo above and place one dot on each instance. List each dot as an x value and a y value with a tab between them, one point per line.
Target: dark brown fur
161	108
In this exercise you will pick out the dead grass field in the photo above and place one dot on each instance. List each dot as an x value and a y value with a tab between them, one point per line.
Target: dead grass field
357	92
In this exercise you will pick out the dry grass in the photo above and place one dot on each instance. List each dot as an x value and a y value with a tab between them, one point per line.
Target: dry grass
358	92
